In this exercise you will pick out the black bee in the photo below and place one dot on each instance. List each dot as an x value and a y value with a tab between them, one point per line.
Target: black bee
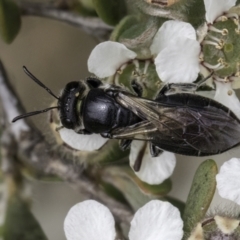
177	120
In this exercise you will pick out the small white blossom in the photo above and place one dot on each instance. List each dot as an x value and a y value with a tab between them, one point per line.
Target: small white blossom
153	170
107	57
156	220
228	180
90	220
176	52
82	142
215	8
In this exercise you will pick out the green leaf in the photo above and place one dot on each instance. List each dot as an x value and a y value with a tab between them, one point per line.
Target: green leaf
136	192
118	178
88	4
157	190
10	20
109	153
83	9
195	12
138	37
110	11
124	25
113	192
20	224
200	195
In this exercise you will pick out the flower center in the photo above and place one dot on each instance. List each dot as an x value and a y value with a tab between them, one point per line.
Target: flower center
141	73
221	47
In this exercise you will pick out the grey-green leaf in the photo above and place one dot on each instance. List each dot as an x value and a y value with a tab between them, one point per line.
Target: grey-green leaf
20	224
110	11
10	20
200	195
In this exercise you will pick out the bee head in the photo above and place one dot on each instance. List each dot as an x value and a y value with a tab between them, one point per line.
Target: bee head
69	104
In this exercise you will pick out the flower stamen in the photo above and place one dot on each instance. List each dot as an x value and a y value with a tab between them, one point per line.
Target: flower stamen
162	3
221	19
218	45
232	15
223	80
213	67
147	62
136	63
222	31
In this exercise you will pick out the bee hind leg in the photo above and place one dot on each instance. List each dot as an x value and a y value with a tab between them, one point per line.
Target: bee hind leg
137	88
173	88
125	144
154	150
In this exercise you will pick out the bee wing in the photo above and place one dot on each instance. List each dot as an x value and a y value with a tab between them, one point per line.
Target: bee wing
181	129
138	131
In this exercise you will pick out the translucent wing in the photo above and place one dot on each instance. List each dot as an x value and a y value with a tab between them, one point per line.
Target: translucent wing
187	124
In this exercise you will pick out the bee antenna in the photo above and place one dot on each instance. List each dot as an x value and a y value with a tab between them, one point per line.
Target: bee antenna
32	113
38	82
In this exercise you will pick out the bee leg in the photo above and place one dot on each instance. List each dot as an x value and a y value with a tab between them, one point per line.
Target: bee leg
154	150
84	132
173	88
125	144
137	88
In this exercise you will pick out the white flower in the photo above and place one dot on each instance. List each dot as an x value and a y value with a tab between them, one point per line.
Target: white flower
107	57
228	180
91	220
82	142
176	50
153	170
215	8
174	45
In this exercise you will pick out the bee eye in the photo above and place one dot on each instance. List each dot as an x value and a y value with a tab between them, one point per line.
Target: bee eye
72	86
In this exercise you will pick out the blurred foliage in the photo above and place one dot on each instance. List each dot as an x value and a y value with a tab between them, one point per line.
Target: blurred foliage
10	20
110	11
20	224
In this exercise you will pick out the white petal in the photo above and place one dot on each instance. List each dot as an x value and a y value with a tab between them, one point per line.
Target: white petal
230	101
107	57
228	180
89	220
82	142
153	170
156	220
215	8
179	62
169	33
